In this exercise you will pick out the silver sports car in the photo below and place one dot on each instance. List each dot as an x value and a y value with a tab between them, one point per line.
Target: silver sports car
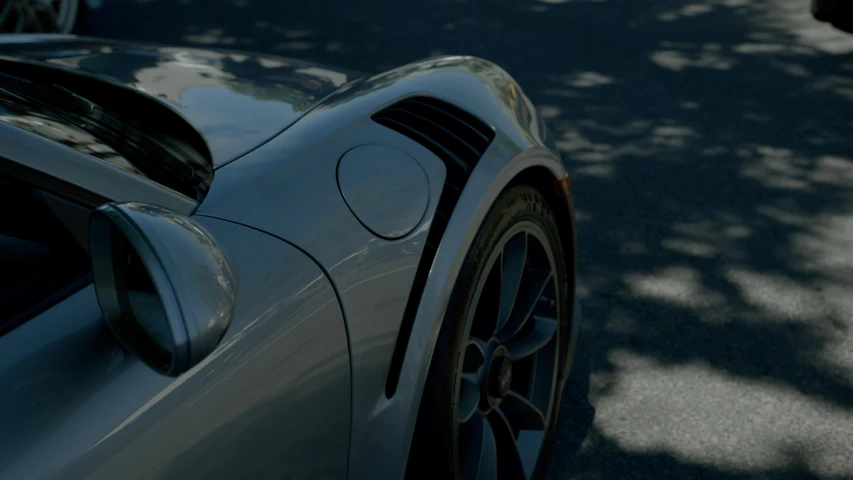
223	265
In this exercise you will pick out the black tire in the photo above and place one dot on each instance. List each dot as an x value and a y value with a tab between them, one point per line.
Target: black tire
832	11
433	453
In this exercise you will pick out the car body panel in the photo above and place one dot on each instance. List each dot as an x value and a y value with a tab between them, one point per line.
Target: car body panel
373	178
300	201
292	176
236	100
271	402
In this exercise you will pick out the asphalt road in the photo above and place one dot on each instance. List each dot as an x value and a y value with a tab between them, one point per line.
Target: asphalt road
710	146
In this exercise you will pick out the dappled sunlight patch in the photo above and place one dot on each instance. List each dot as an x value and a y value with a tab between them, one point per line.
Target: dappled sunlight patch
769	48
689	247
795	70
782	168
548	112
718	238
584	79
777	297
672	136
715	151
574	141
213	36
677	60
824	247
703	415
582	215
690	10
794	18
758	118
784	215
841	86
600	170
674	285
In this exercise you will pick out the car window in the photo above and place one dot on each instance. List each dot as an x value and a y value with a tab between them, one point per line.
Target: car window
43	250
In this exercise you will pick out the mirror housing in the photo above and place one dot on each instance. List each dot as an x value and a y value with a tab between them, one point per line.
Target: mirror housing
165	288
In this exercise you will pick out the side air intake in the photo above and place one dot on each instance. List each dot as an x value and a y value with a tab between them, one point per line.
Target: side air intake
459	139
454	135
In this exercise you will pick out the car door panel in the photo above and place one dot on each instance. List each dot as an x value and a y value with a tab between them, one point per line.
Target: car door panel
273	400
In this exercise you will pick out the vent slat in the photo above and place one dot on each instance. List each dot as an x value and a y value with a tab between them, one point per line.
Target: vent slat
462	114
455	117
450	136
456	136
426	141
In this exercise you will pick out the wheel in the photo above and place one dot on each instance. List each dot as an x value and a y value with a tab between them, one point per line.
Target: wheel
41	16
491	398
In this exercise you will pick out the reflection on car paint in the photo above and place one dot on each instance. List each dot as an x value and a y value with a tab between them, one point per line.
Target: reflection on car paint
236	100
19	114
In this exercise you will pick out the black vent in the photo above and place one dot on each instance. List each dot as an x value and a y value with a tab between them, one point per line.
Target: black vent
459	139
456	136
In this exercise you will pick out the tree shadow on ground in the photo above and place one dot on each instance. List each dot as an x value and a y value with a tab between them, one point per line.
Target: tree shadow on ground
709	146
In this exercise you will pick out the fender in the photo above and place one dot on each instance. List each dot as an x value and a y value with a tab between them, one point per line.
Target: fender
318	221
523	144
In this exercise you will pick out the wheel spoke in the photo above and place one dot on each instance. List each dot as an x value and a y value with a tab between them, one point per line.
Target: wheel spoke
512	272
469	397
488	305
522	414
529	444
509	460
532	287
542	333
489	456
471	447
474	356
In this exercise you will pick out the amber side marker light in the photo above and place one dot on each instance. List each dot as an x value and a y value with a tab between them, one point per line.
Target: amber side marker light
563	186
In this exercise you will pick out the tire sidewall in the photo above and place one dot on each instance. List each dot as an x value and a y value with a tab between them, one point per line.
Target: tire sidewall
436	418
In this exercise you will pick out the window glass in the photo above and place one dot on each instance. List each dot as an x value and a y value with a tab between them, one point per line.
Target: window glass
41	260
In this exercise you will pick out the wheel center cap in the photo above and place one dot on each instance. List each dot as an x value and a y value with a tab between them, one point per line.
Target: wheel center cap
504	377
499	379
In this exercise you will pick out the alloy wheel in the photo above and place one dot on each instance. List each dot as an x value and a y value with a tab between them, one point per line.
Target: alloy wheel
39	16
505	388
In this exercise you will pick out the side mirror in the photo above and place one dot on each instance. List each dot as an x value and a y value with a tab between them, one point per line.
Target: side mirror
166	290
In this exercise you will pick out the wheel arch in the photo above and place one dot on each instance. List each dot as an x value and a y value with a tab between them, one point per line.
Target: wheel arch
536	166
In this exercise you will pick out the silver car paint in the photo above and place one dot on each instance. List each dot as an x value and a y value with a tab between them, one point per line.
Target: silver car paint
374	178
271	402
373	275
287	188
